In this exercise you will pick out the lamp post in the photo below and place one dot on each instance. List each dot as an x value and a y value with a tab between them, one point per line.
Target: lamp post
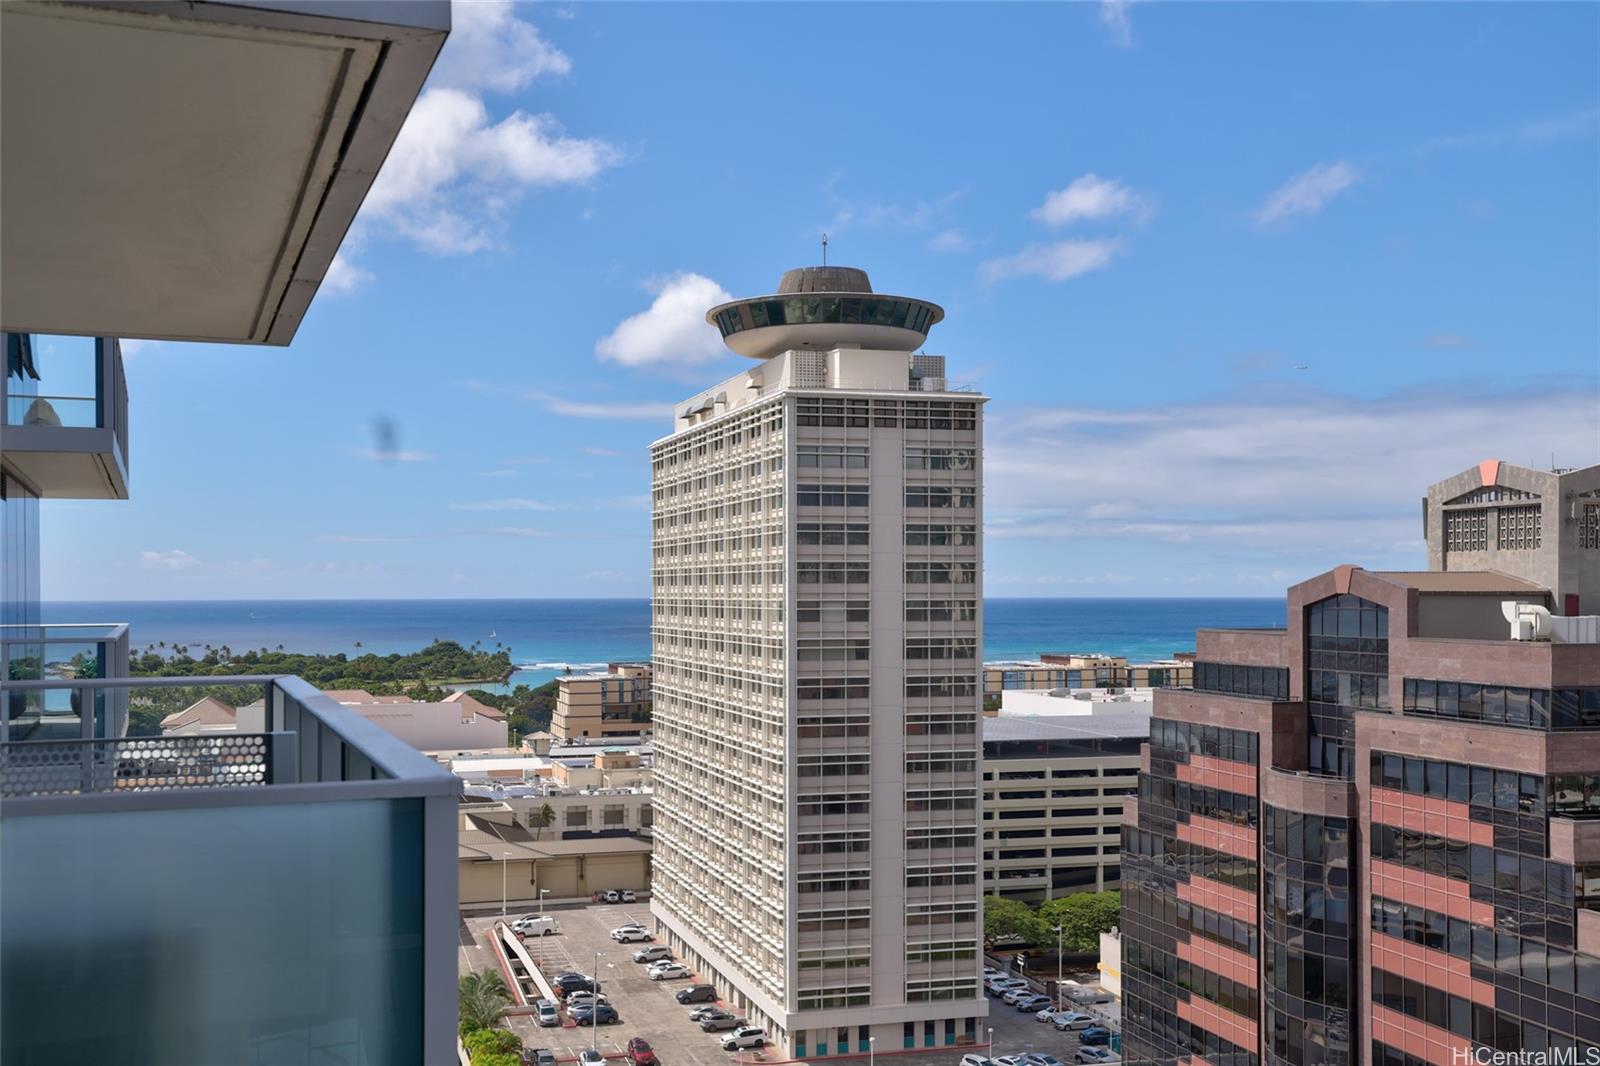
991	1041
872	1051
594	1015
1060	937
543	892
504	855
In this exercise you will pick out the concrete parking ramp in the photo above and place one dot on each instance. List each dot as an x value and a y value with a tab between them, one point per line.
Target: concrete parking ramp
525	973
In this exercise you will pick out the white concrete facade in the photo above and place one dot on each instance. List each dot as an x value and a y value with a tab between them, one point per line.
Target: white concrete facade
817	634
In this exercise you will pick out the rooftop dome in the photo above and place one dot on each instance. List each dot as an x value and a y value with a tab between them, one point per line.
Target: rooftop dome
824	279
824	307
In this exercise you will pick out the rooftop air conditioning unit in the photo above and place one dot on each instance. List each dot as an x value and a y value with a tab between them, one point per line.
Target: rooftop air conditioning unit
1528	621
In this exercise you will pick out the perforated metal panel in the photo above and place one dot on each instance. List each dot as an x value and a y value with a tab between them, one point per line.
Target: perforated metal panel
42	768
810	370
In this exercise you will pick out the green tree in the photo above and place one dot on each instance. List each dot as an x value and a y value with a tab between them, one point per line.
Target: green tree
544	816
1005	919
482	1042
1082	916
483	1000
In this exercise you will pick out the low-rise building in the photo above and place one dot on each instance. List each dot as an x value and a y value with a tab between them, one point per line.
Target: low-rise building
1086	670
500	858
1054	779
456	723
611	702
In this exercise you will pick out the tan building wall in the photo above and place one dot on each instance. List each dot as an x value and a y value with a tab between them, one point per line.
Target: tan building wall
613	703
1085	671
567	877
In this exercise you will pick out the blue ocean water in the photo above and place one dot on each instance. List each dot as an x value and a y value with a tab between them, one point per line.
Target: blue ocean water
547	636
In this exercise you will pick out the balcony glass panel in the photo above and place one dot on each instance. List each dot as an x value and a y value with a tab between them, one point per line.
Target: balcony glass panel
52	381
296	937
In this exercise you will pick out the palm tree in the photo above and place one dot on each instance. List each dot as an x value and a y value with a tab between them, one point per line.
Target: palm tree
545	815
483	1000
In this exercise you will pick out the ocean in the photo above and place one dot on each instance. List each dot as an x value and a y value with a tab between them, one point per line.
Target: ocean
546	637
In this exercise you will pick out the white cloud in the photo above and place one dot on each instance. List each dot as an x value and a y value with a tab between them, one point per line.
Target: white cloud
673	331
949	240
1537	133
490	48
453	172
176	559
509	505
599	409
1279	473
1114	17
1308	192
1089	197
134	347
344	276
391	455
1053	262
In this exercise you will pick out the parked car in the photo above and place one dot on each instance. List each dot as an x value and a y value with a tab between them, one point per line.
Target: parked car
722	1023
1001	985
640	1053
1011	1060
1071	1019
1034	1058
1016	995
654	953
1094	1054
584	995
630	934
536	925
591	1057
611	897
568	983
696	994
1095	1035
990	971
546	1013
747	1037
539	1056
601	1013
667	971
1085	994
628	896
700	1014
1032	1004
975	1060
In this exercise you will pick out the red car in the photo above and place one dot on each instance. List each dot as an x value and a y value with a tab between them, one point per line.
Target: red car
640	1053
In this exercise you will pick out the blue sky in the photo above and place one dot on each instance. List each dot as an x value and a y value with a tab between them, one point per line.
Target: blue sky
1241	280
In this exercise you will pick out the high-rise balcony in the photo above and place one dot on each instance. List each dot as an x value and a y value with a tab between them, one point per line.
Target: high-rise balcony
282	894
63	653
64	415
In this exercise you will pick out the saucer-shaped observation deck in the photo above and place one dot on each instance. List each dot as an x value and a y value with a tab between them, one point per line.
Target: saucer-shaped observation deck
824	307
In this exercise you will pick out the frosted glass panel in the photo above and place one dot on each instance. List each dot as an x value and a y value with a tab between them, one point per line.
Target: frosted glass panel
280	935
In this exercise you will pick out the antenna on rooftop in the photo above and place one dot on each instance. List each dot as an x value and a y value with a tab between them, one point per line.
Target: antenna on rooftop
824	249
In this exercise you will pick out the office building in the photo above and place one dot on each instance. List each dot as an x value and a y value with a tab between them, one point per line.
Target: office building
607	703
1370	837
182	171
817	633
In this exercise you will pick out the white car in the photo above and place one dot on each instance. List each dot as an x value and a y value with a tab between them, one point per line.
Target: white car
536	925
1011	1060
975	1060
747	1037
654	953
591	1057
1071	1019
629	934
667	971
1000	985
1014	996
628	896
579	998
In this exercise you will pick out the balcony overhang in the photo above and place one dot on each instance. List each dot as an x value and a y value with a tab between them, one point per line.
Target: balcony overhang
187	171
68	462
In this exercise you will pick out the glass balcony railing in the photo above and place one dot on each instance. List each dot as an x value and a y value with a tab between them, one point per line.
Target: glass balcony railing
63	653
66	397
281	891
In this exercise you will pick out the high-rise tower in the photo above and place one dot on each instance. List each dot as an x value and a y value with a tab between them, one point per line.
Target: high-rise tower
817	629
